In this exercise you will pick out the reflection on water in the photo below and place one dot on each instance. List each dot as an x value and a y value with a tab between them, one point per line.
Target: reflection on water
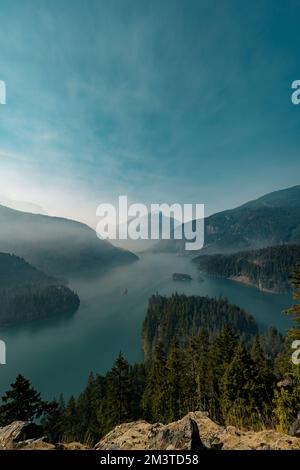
57	355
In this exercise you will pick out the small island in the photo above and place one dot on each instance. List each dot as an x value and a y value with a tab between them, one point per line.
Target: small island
181	277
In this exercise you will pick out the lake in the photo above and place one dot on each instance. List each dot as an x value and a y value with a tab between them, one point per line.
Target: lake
57	355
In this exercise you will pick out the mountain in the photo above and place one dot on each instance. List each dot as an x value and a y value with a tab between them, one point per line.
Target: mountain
268	269
27	294
56	245
273	219
160	223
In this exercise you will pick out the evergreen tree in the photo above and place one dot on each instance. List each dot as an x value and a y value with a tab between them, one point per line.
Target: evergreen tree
175	379
22	402
198	379
224	346
287	401
155	394
53	420
220	356
188	315
238	386
117	406
264	381
272	343
138	384
295	309
71	423
88	403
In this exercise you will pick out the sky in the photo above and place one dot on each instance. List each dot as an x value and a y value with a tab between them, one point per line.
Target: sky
161	100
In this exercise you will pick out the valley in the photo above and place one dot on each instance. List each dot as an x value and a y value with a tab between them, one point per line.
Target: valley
57	354
63	349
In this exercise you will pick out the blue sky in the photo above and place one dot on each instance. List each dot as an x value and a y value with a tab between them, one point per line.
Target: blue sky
164	101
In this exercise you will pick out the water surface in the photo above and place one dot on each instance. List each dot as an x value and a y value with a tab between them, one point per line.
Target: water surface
57	355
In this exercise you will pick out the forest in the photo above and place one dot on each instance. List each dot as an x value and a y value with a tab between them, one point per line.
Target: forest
185	316
250	383
267	268
21	304
28	294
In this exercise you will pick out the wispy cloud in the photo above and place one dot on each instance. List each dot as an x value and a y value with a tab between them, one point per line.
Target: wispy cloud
159	100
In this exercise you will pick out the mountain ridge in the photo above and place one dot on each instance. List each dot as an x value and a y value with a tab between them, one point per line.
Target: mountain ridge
57	245
272	219
268	269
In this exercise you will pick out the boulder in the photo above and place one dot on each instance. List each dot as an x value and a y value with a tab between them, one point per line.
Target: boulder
179	435
295	427
19	431
196	431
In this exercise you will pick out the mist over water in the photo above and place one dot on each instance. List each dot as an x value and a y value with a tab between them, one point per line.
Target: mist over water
58	355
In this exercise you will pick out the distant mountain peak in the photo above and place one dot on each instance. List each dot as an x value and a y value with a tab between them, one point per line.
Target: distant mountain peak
272	219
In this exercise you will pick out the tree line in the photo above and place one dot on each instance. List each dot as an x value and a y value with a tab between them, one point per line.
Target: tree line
184	316
267	268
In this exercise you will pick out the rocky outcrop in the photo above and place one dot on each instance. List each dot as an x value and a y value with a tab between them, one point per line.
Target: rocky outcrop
22	435
196	431
19	432
140	435
295	427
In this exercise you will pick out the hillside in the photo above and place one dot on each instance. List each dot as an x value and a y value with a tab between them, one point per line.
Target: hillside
27	294
55	245
185	317
273	219
16	271
268	269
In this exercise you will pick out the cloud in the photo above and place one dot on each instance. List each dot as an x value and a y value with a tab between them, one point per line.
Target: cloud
165	100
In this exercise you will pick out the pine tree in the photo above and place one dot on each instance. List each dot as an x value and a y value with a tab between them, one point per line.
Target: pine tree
272	343
53	420
116	406
175	380
287	401
71	423
198	367
295	309
22	402
238	403
138	383
264	381
87	408
225	345
155	394
220	355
